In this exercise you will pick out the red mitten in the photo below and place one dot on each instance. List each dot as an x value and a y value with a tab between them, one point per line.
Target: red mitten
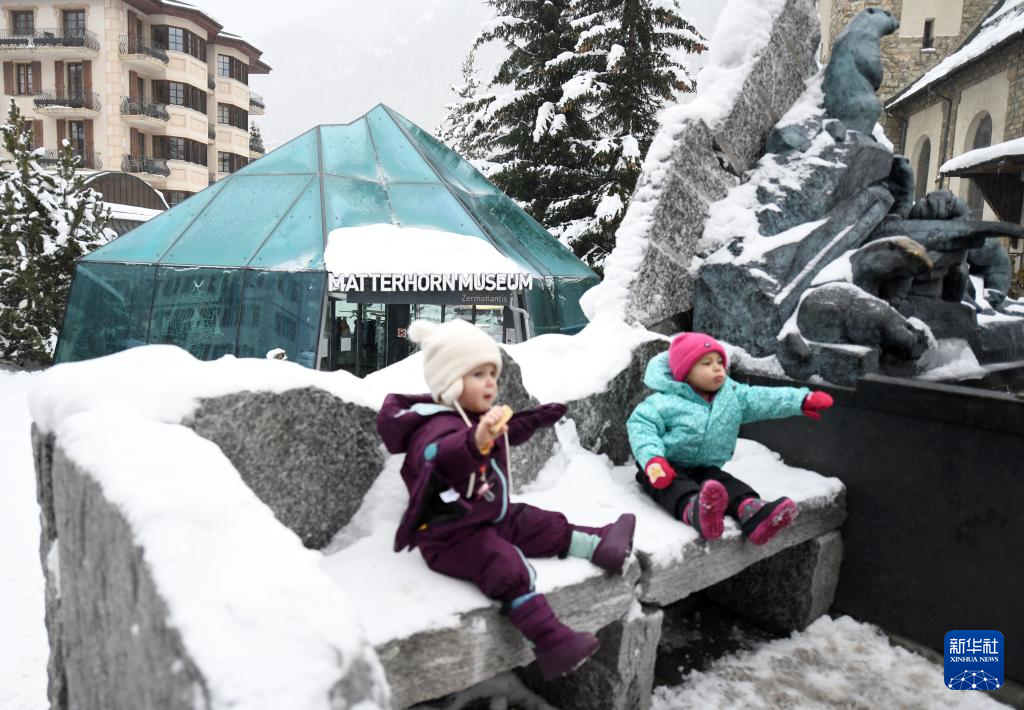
660	472
814	402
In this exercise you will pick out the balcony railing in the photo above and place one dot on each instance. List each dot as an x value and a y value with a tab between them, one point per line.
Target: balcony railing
20	39
256	100
211	83
140	45
140	107
50	157
71	99
256	143
153	166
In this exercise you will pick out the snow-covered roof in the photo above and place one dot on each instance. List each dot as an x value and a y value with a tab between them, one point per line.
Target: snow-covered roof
131	212
1006	149
1003	24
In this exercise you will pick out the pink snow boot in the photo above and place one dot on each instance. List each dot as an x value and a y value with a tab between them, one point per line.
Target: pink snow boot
559	649
616	544
768	520
705	510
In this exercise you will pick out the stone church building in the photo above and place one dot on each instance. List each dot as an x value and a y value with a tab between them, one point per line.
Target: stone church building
954	83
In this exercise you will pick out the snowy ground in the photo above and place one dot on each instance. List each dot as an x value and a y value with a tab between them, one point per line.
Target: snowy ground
833	664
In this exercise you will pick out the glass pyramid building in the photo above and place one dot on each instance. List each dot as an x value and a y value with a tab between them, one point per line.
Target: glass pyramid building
239	267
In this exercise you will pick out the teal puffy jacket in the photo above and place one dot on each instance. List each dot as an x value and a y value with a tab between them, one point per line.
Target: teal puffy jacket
679	425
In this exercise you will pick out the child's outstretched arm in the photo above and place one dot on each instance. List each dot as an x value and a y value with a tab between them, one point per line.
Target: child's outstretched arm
522	425
760	403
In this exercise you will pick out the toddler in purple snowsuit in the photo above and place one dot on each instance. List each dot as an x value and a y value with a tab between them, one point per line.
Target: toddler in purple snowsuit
457	470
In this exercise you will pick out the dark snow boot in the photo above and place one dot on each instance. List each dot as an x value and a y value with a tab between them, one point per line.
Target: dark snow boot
706	508
559	649
771	519
616	544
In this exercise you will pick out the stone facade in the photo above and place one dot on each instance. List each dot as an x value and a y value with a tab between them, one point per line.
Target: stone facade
903	56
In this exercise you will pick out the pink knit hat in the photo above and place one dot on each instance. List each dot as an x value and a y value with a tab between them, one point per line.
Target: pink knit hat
687	349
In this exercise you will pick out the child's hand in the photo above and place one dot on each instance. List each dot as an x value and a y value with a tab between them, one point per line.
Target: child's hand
489	427
814	402
660	472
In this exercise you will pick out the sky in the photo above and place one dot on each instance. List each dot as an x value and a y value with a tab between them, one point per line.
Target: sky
333	60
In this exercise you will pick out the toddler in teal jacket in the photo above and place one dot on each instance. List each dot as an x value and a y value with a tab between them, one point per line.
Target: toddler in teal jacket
685	432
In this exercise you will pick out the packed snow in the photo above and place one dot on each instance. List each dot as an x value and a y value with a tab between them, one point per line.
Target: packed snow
390	249
834	663
1005	23
1013	148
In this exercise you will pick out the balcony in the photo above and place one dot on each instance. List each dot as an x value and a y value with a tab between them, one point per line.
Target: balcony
89	161
256	145
144	114
149	166
17	43
256	105
68	104
142	55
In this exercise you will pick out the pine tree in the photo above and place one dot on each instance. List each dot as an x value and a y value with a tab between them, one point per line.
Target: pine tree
633	51
48	220
538	139
564	124
458	128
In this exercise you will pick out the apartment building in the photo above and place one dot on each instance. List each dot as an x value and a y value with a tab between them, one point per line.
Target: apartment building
156	88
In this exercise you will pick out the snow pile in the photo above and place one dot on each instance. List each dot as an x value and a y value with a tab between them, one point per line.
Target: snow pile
833	663
1002	25
1014	148
390	249
255	611
741	34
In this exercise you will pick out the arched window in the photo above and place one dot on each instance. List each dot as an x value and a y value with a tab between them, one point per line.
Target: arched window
924	159
979	137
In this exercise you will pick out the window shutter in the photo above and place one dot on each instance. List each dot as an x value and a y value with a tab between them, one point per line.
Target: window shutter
90	161
37	78
37	134
87	76
134	143
132	17
9	78
133	86
62	133
58	72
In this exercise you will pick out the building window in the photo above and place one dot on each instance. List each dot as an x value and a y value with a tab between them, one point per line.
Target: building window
924	159
230	162
230	67
981	137
176	197
178	39
76	79
175	148
233	116
177	93
76	136
24	81
23	23
74	23
928	39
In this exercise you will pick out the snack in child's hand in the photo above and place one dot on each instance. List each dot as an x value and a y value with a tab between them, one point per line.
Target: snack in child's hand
506	414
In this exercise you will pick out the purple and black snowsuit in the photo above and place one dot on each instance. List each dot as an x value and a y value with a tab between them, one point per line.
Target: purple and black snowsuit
459	532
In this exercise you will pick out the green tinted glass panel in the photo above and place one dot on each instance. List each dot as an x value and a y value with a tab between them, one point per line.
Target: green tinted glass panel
353	203
347	151
297	243
540	302
398	157
197	309
108	310
148	242
452	166
431	206
253	206
281	310
544	248
567	294
299	155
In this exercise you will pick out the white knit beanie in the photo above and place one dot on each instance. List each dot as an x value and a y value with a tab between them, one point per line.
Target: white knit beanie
450	351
